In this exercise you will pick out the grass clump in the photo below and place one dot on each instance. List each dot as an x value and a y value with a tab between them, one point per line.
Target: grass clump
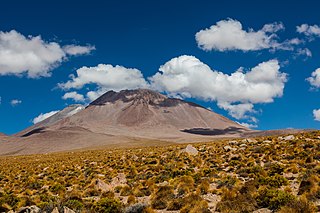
107	205
162	196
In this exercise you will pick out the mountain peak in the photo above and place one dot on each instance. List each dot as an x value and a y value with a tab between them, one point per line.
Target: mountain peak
138	95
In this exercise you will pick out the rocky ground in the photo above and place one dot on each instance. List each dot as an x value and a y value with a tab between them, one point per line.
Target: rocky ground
264	174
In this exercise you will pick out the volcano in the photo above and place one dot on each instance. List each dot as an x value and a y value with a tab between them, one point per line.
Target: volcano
128	117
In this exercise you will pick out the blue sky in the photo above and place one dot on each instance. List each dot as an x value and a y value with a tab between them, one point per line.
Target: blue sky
144	35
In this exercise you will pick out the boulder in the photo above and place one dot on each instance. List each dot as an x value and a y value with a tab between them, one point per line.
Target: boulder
289	138
191	150
233	142
67	210
101	185
229	148
119	180
264	210
55	210
29	209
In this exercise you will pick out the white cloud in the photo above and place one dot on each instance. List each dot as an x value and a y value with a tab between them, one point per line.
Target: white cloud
78	50
93	95
106	77
15	102
74	95
44	116
304	52
187	76
248	125
237	111
314	80
32	55
316	114
229	35
309	30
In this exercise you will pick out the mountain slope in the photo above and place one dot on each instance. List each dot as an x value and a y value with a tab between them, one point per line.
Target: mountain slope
126	118
66	112
146	113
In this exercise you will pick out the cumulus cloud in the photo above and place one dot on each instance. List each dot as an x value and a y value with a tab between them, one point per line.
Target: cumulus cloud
237	111
314	80
43	116
78	50
248	125
15	102
309	30
33	56
186	76
106	77
316	114
74	96
230	35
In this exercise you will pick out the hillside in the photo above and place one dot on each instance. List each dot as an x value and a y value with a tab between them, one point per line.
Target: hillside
264	174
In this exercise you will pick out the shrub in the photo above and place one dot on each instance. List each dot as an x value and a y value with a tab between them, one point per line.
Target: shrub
75	205
131	199
125	191
238	202
161	198
274	199
299	206
10	199
275	168
274	181
57	188
204	186
228	182
107	205
307	184
196	207
175	204
139	208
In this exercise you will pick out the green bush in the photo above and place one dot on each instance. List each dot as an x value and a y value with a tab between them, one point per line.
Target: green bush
107	205
274	181
233	201
161	198
299	206
274	199
75	205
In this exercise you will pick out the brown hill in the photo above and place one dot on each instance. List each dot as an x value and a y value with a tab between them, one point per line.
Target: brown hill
122	118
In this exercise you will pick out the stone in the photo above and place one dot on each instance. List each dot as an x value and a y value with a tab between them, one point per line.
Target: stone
101	185
55	210
30	209
119	180
191	150
264	210
67	210
135	158
249	140
164	183
212	200
289	138
227	148
233	142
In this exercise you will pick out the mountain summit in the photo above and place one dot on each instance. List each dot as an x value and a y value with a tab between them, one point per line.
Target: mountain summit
139	117
146	113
